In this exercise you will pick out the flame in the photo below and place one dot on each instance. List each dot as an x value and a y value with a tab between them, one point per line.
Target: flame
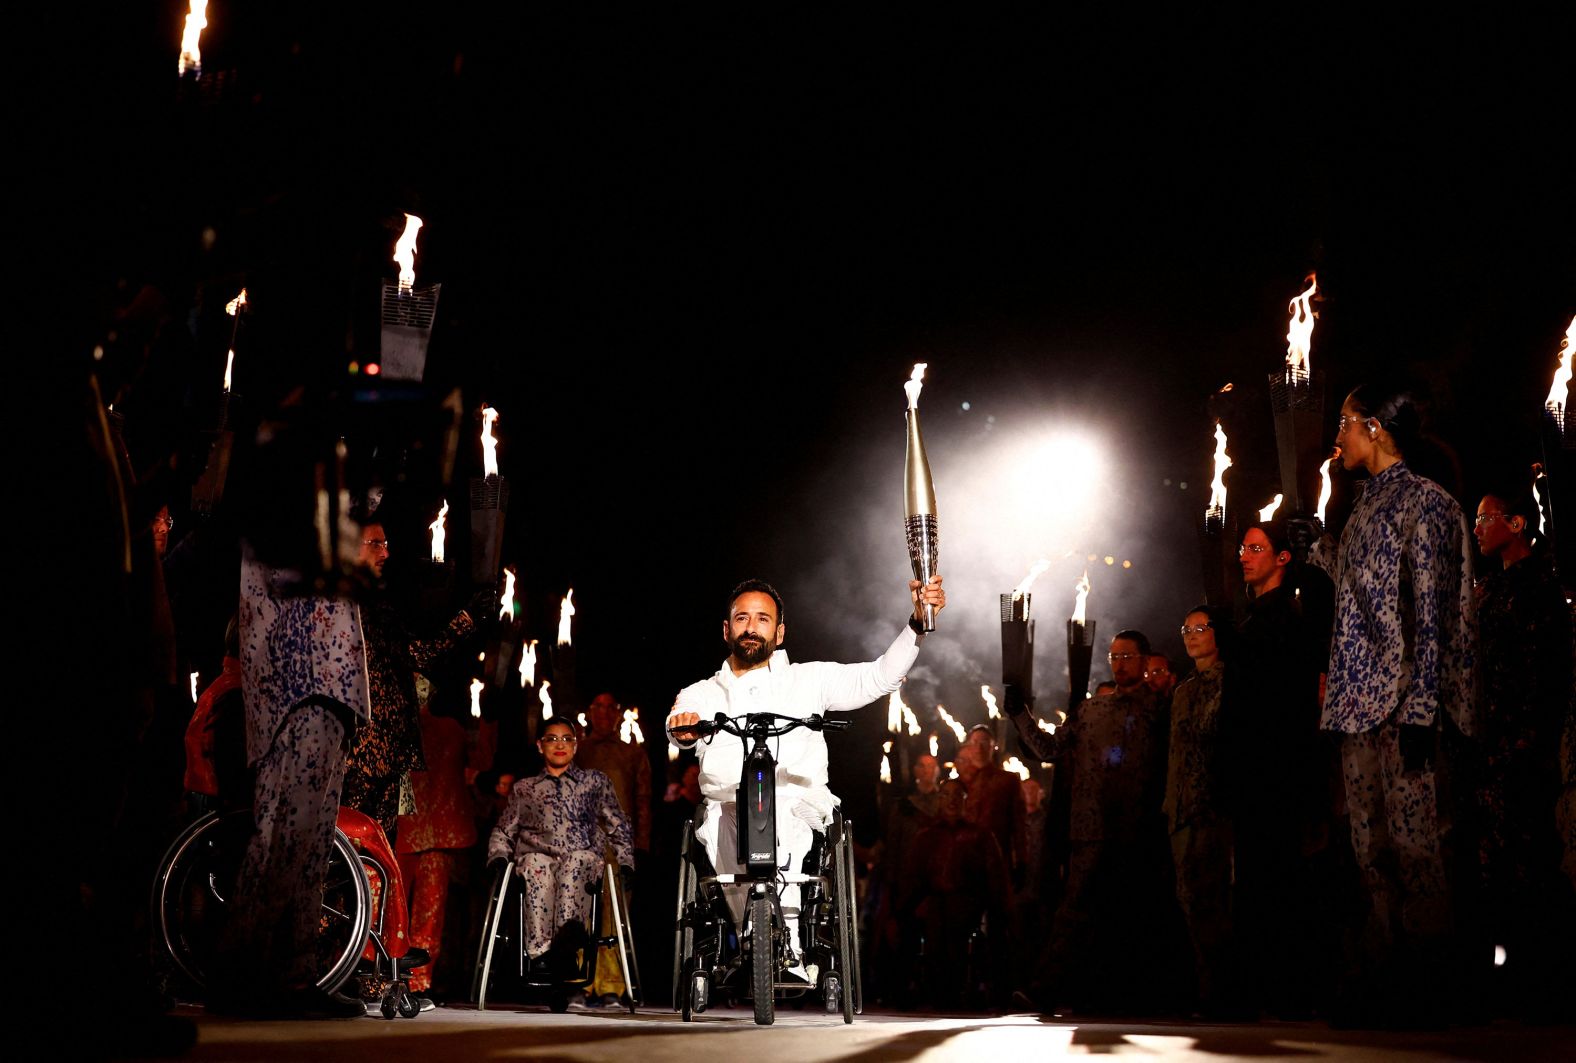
233	307
895	709
476	698
1324	483
194	688
1269	511
489	443
886	747
886	768
1299	334
915	383
1217	488
229	366
946	718
546	699
1082	587
991	711
580	718
952	771
935	746
565	611
1537	494
629	731
506	603
191	54
1045	725
438	534
1028	581
673	752
1555	403
405	253
528	665
1017	767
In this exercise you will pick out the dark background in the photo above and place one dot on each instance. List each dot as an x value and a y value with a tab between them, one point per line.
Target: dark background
692	261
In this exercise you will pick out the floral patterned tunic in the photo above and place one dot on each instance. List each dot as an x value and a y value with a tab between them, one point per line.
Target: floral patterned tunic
1405	630
561	814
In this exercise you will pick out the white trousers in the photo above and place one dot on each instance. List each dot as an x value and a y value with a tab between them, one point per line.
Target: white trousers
719	834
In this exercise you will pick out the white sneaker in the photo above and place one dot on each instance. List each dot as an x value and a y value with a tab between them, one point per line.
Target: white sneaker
797	972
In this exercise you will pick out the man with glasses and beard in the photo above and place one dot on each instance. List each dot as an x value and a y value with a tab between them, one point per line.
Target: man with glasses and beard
757	677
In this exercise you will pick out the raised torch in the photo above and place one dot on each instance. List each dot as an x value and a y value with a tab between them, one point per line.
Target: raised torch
919	495
1297	403
1017	634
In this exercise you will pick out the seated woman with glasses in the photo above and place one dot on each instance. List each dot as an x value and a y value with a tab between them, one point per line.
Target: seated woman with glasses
553	831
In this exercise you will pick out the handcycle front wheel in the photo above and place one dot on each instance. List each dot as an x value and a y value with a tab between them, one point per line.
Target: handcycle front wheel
761	960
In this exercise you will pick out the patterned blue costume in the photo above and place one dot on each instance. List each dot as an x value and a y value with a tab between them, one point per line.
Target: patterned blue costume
553	829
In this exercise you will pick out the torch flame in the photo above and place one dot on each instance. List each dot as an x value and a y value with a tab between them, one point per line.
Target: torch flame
476	698
629	731
916	382
1217	487
673	752
233	307
946	718
229	366
1082	587
1299	334
1028	581
405	253
1324	483
565	611
886	768
935	746
1017	767
895	711
546	699
489	444
194	687
1537	494
528	665
438	533
506	603
1045	725
1555	403
191	54
1269	511
991	711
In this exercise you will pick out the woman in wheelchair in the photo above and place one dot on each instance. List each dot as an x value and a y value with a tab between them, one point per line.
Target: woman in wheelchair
553	832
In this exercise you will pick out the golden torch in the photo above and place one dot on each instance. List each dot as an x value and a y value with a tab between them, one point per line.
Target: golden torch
919	495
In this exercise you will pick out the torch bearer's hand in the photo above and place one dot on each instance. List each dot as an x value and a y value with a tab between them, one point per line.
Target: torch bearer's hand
926	594
483	606
680	724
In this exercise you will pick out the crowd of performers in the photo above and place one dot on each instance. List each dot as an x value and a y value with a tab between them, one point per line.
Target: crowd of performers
1356	805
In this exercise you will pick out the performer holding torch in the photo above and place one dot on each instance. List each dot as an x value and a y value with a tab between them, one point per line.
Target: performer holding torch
919	495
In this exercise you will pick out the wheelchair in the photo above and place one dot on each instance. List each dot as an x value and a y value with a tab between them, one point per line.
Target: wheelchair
714	960
505	921
194	882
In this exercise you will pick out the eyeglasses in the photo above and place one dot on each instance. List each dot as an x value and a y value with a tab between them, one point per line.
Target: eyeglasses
1251	548
559	740
166	523
1340	425
1124	656
1195	629
376	544
1489	518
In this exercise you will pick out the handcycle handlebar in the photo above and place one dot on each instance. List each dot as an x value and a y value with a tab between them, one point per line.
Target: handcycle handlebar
759	725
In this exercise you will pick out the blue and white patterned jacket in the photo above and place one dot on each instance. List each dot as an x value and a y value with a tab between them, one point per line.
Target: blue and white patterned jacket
1405	624
561	814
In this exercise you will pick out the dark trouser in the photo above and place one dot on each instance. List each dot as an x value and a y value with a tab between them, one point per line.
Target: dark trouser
1201	853
271	937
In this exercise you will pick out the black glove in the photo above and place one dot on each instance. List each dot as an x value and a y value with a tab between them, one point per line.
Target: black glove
1303	533
1014	702
483	606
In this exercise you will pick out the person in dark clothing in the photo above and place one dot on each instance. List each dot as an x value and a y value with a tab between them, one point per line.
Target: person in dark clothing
1525	631
1281	778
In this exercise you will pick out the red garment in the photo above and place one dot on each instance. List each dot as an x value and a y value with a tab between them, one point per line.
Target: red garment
445	817
428	875
365	834
201	776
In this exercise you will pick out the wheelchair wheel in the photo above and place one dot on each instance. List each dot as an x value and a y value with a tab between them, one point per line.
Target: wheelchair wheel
854	976
844	901
195	883
761	965
683	934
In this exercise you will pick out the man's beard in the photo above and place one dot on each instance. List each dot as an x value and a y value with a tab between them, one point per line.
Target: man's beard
751	649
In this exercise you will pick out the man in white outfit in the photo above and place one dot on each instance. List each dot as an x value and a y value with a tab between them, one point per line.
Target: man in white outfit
757	677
